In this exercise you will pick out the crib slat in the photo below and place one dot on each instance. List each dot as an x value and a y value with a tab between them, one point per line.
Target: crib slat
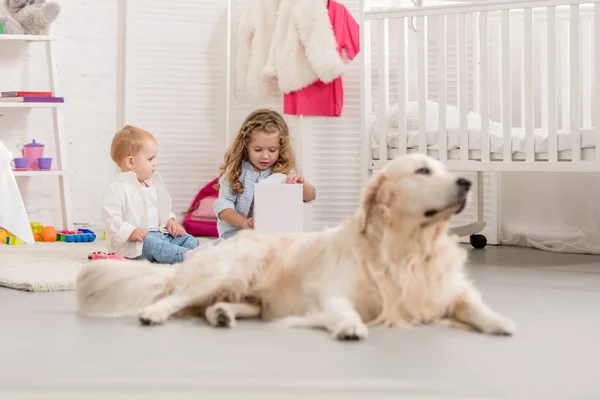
383	84
402	84
474	23
421	83
484	86
551	65
506	93
528	73
586	71
462	86
441	58
543	93
563	90
597	79
575	85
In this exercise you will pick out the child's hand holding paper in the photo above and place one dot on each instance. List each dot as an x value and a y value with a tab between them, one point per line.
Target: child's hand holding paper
291	178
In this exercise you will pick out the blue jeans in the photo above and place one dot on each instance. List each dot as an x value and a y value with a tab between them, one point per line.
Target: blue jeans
166	249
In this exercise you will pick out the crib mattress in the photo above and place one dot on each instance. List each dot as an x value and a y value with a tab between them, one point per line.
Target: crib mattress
474	124
518	143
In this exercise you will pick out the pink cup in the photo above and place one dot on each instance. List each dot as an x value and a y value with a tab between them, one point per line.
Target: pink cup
43	163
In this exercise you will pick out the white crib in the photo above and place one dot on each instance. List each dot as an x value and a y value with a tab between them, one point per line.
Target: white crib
484	86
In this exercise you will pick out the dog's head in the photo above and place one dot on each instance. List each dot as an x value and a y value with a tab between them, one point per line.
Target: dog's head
416	189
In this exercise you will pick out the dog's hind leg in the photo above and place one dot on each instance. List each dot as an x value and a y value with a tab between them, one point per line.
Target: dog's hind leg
470	309
224	314
338	317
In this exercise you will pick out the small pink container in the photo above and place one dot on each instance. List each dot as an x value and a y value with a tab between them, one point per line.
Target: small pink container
33	151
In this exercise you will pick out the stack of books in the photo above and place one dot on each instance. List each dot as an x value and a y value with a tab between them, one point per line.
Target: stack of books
29	97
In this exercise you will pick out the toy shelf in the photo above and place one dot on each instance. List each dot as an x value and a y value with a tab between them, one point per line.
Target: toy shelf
60	159
52	172
29	105
28	38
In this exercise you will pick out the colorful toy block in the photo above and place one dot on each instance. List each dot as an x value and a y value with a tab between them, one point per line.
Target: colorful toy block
43	233
8	238
82	235
14	241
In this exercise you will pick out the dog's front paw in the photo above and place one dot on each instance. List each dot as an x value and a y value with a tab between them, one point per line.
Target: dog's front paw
220	316
500	326
350	330
151	317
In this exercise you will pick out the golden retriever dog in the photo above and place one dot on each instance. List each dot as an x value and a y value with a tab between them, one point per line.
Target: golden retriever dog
393	263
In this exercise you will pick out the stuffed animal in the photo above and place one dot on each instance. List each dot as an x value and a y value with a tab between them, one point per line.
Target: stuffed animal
29	17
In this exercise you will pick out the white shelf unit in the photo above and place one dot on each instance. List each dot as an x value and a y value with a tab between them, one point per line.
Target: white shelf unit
8	104
28	38
52	172
60	159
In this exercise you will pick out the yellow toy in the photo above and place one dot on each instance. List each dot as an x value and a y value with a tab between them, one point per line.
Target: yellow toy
7	237
43	233
15	241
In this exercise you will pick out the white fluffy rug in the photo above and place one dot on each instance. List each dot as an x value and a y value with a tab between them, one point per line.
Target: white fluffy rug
44	267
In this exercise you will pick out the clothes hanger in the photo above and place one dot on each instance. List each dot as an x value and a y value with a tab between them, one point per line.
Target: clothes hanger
417	3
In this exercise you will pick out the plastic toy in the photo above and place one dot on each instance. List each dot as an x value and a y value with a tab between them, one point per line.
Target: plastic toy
99	255
43	233
82	235
8	238
33	151
14	241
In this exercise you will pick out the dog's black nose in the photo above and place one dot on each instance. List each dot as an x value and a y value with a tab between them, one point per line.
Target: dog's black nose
463	184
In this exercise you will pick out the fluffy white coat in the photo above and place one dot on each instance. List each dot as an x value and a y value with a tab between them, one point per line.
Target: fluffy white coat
255	33
287	41
393	263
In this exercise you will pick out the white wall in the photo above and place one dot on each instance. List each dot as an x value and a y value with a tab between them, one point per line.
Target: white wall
89	77
175	87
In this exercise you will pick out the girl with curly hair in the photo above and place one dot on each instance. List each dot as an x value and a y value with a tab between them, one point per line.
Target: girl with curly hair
261	147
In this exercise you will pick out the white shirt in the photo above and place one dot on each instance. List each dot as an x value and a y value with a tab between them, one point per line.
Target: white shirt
151	195
125	209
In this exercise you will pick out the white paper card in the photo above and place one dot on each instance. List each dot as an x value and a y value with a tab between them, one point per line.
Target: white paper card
278	207
275	178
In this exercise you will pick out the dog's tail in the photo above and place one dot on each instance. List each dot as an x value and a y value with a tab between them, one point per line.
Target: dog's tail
121	287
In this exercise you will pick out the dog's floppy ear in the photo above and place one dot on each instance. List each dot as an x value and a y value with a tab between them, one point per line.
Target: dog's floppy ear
377	194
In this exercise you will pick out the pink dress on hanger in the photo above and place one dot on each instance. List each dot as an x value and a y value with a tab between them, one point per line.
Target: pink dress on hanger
327	99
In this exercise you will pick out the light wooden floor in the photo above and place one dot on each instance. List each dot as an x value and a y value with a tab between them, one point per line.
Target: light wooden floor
46	348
